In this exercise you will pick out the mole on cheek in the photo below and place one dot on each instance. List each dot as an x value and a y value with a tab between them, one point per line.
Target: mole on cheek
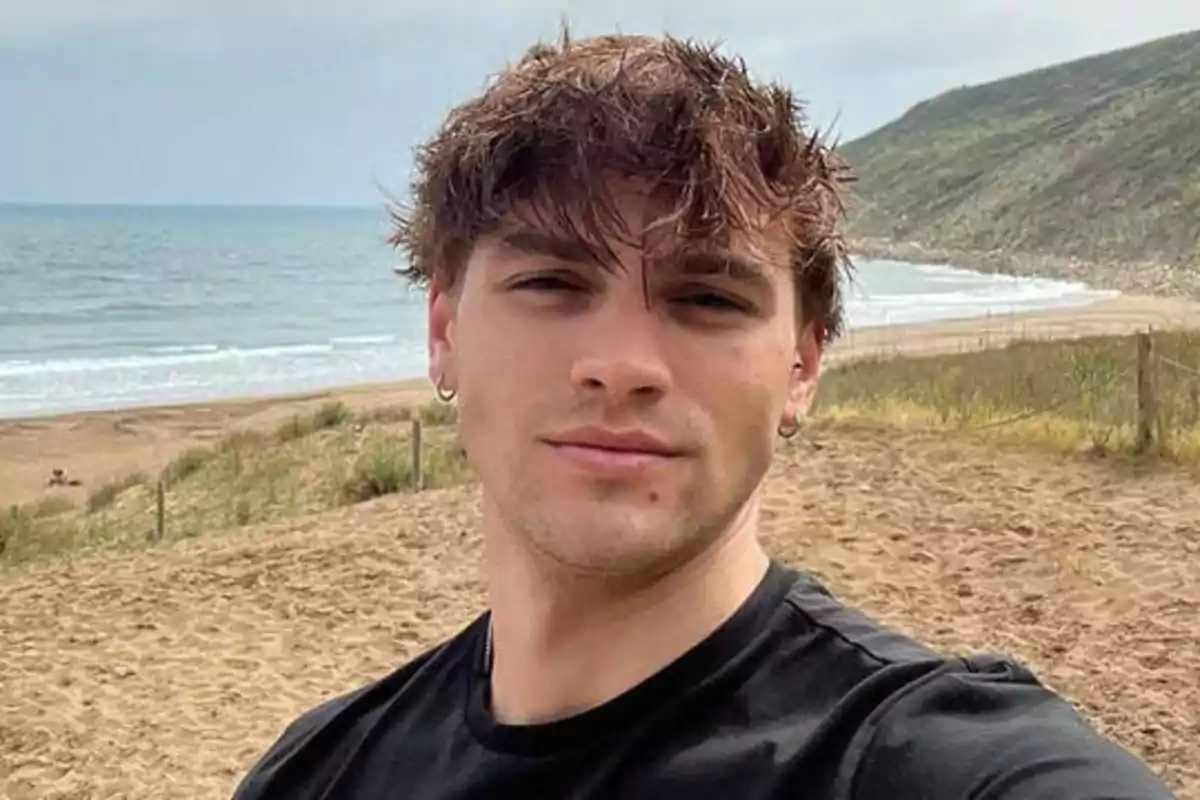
653	497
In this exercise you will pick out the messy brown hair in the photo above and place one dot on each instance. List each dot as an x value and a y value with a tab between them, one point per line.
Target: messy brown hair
548	132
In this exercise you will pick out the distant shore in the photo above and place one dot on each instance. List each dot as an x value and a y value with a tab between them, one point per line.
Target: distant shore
1147	278
99	446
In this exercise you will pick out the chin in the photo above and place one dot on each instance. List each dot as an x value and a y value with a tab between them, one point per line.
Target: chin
614	540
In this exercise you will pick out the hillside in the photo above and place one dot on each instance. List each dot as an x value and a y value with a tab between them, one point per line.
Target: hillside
1097	159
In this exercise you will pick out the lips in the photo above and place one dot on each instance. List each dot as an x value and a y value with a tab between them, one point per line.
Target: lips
632	442
612	454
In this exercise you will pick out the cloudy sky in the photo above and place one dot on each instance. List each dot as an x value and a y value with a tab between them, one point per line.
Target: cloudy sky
307	102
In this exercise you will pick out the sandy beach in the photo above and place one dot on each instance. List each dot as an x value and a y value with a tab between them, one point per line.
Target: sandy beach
230	495
167	670
96	447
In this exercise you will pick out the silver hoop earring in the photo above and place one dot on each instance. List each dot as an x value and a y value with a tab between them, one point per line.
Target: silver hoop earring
789	431
443	394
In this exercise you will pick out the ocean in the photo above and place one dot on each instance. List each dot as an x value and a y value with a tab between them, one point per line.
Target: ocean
116	306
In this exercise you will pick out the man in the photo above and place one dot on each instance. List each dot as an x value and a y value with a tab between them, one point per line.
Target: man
632	255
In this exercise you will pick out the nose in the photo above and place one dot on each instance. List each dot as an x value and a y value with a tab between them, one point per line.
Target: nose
622	355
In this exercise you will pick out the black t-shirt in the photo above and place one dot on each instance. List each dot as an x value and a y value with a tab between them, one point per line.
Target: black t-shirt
795	696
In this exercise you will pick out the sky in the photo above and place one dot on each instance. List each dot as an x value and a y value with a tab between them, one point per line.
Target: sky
316	102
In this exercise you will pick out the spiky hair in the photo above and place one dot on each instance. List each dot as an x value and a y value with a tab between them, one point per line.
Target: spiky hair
724	152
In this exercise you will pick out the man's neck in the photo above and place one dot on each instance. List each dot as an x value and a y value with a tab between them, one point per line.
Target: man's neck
562	644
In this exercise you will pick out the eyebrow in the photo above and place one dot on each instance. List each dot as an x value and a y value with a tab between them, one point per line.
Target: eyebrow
541	244
705	263
723	263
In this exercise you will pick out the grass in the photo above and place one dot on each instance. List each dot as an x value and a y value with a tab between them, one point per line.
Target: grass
1069	395
311	463
385	467
52	506
28	529
187	464
330	415
104	496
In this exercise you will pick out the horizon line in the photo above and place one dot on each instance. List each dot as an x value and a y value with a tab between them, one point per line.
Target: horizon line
180	204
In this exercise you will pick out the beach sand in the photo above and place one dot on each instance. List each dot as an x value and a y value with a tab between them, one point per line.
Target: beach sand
97	447
167	671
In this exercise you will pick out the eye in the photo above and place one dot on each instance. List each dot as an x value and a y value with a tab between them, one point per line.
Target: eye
711	301
547	284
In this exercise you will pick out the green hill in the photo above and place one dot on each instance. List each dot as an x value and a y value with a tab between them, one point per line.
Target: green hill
1097	159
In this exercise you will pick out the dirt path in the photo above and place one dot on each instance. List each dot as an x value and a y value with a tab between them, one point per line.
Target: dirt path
165	673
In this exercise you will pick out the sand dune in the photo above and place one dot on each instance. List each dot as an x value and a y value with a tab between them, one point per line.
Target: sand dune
164	673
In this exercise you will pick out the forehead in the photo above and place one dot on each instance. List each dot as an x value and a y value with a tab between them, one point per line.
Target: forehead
632	229
708	260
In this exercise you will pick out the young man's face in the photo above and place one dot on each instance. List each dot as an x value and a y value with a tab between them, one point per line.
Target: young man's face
620	419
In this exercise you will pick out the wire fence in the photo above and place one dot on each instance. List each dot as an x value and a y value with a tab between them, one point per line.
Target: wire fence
1022	417
245	478
1184	367
1139	391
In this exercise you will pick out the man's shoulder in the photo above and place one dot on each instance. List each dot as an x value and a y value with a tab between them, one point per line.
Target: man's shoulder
951	725
986	723
296	736
821	611
327	734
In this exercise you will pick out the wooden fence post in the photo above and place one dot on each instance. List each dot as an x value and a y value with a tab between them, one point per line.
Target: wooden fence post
417	460
160	510
1145	392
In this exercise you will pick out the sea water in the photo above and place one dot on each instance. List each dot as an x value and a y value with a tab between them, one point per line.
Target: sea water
114	306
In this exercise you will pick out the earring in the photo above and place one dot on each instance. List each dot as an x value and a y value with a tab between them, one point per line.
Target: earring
788	431
444	394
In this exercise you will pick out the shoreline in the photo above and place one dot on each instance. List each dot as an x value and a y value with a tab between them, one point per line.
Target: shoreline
201	394
199	388
1135	278
100	446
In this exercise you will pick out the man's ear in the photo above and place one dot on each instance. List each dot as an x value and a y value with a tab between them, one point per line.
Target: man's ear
806	373
442	303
